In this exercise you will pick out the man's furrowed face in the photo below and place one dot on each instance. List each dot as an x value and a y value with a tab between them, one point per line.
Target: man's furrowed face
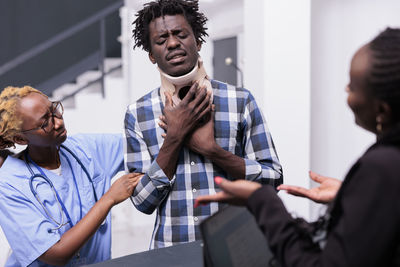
173	45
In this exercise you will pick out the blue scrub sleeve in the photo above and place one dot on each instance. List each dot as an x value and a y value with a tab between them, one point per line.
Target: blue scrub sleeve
26	228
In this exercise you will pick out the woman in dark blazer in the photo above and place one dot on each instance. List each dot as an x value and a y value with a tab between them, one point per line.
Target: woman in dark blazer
362	224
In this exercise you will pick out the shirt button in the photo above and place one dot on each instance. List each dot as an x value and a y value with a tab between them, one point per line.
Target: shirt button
194	190
195	219
192	163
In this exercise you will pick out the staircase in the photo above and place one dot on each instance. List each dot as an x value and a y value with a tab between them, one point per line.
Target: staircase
87	111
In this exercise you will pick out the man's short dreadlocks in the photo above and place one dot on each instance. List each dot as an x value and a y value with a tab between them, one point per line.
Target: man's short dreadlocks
159	8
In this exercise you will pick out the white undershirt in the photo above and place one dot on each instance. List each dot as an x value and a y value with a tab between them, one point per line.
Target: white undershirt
57	171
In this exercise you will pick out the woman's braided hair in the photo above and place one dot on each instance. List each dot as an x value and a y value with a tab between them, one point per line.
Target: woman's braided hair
384	77
159	8
10	123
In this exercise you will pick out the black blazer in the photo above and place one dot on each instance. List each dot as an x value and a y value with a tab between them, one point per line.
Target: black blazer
364	220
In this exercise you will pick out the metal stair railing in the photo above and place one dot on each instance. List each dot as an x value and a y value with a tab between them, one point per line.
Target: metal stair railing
98	17
101	79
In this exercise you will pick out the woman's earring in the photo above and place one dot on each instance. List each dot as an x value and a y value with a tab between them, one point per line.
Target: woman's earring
378	124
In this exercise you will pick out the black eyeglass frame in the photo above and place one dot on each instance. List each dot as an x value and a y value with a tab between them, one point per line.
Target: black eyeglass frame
54	107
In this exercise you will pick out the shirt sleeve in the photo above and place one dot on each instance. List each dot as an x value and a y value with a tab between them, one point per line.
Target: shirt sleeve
365	232
154	186
27	230
261	160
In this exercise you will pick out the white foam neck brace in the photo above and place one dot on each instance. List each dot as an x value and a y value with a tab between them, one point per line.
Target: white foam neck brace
173	84
183	80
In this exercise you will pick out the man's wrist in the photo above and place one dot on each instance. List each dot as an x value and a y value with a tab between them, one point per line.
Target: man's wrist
174	139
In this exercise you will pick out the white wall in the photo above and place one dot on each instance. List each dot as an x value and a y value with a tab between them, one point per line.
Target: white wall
338	29
223	25
307	46
277	68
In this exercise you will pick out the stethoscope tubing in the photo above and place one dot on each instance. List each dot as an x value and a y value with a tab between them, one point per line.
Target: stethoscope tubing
43	176
83	168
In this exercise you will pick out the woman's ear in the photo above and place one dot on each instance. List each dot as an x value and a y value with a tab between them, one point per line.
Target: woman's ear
385	112
20	139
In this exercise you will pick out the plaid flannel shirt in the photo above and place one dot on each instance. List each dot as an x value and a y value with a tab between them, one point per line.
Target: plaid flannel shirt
239	128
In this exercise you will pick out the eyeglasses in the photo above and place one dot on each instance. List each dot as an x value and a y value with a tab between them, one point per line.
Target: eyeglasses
56	110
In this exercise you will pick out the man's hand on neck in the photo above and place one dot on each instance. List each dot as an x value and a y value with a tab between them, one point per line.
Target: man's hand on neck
181	119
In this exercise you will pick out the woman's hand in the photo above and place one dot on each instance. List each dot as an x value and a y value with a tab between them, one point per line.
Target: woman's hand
123	187
235	193
72	240
324	193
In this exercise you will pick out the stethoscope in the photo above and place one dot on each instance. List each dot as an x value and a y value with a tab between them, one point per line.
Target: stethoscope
60	203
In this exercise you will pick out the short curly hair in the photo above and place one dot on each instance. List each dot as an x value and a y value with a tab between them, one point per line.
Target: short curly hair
10	123
159	8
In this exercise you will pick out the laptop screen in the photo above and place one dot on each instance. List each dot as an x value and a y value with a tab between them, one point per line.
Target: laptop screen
232	238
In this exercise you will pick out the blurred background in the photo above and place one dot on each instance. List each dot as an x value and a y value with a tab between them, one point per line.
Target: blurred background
293	56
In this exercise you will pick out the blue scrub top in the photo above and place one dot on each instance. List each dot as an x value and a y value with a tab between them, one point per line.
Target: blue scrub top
27	227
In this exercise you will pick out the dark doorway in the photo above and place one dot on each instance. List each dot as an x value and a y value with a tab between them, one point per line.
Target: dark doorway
223	49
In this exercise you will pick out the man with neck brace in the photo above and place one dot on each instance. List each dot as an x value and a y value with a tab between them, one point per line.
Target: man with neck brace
190	129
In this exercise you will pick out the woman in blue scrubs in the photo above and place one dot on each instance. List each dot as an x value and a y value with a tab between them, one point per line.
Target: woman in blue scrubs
55	196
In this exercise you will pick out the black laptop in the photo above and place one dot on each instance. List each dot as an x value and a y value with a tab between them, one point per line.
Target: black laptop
232	238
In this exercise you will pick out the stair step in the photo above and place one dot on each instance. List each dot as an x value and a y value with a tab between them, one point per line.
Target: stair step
87	77
111	63
63	91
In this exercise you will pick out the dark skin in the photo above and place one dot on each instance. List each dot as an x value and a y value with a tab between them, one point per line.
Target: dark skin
3	156
43	149
366	108
175	50
173	45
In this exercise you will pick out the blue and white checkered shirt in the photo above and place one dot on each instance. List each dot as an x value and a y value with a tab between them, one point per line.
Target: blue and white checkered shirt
239	128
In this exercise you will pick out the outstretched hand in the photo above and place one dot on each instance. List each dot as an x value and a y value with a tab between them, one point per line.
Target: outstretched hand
235	193
324	193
